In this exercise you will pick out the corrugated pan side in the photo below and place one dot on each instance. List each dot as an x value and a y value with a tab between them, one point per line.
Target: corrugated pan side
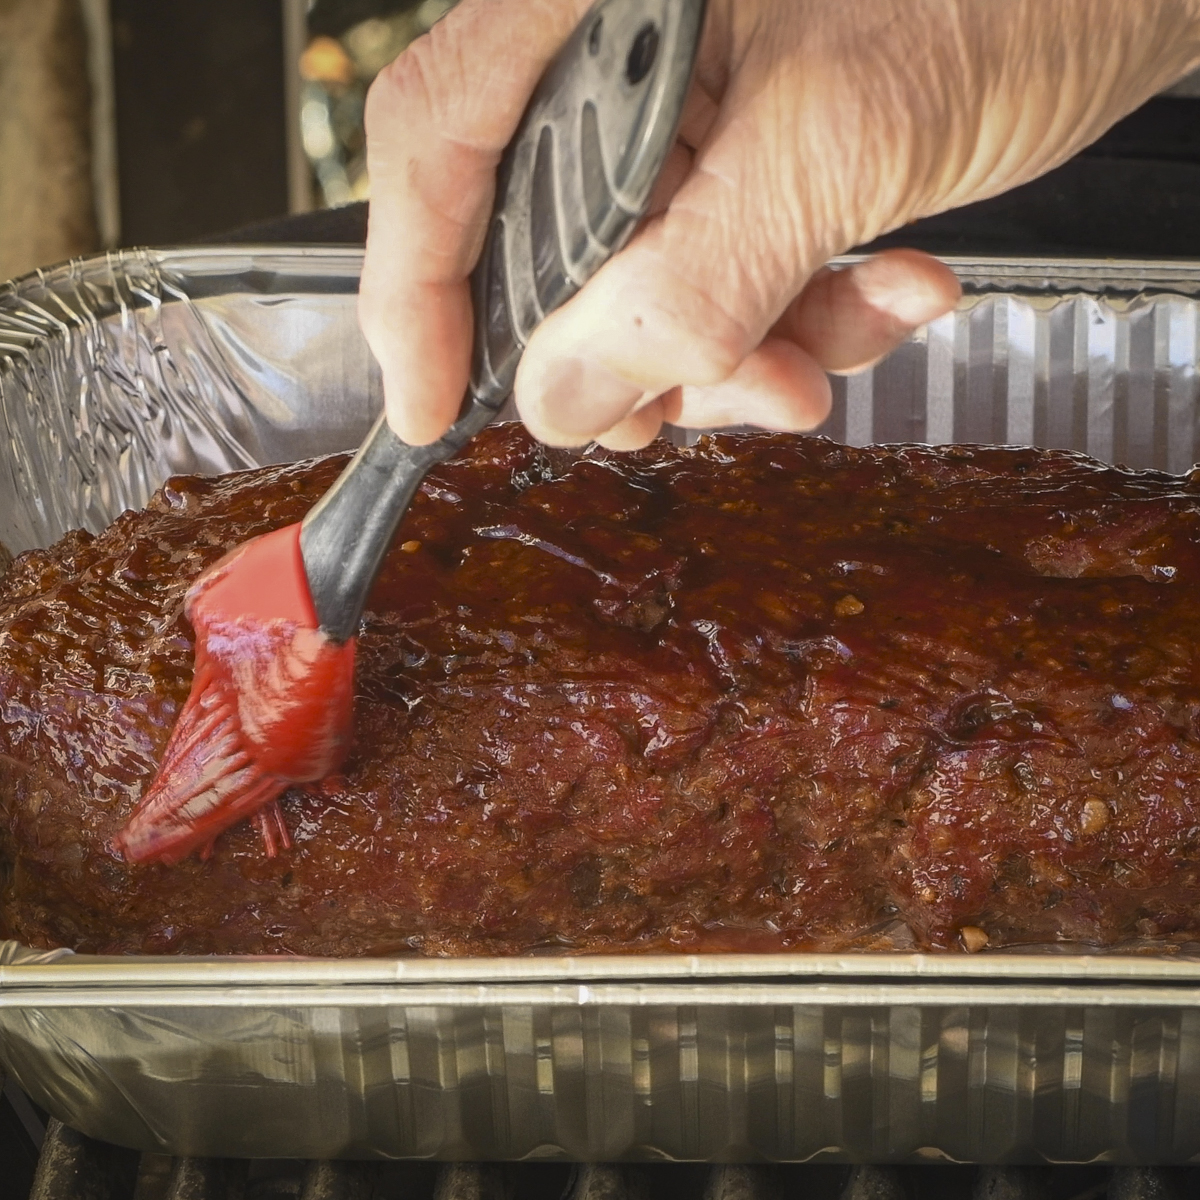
793	1072
118	371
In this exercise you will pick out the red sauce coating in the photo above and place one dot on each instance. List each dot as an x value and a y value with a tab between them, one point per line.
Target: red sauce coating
767	692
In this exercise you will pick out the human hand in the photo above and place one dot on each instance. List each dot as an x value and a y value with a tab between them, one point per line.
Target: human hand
812	126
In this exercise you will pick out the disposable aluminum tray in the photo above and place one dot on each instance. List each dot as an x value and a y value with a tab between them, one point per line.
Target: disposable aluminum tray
118	371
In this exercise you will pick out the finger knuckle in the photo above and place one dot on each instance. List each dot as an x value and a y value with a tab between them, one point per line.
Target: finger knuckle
392	91
375	319
741	272
374	335
718	355
722	335
412	86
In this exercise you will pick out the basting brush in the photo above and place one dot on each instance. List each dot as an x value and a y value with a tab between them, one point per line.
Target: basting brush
271	703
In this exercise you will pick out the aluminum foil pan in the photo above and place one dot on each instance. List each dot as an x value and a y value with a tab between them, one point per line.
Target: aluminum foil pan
119	371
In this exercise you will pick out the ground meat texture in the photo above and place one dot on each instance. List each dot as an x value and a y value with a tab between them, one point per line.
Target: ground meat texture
764	693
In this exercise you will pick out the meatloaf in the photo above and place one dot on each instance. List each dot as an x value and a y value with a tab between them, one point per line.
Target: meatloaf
766	692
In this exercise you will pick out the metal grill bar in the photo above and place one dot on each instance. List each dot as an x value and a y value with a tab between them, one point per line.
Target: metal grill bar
1143	1183
873	1183
206	1179
74	1167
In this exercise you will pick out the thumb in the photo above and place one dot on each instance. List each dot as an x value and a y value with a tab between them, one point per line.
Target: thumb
684	304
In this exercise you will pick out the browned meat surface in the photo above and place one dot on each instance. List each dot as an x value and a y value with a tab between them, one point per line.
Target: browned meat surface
765	693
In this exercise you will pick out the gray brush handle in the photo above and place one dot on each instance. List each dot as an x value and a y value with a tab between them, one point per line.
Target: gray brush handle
344	538
571	188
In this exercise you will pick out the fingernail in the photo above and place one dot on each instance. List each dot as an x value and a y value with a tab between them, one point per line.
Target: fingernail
577	396
912	301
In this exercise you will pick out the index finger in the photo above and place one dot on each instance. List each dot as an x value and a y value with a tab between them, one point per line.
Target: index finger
438	120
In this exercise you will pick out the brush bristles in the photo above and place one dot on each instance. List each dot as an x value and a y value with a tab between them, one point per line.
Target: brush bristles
207	782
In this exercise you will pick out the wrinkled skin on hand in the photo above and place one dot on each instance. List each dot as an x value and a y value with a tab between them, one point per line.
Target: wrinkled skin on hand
813	126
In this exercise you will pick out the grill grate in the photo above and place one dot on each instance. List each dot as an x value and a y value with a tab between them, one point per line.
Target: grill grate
42	1159
74	1167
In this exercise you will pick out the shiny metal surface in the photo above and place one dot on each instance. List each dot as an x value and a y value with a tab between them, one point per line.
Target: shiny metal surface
718	1074
118	371
21	967
1093	357
121	370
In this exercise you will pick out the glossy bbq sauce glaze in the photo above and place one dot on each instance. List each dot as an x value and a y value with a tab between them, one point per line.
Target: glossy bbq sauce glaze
271	705
767	692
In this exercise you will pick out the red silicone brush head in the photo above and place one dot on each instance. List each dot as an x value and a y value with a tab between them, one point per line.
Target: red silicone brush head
271	704
262	581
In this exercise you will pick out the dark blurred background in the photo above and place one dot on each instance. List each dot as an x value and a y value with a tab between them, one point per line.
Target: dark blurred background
132	122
